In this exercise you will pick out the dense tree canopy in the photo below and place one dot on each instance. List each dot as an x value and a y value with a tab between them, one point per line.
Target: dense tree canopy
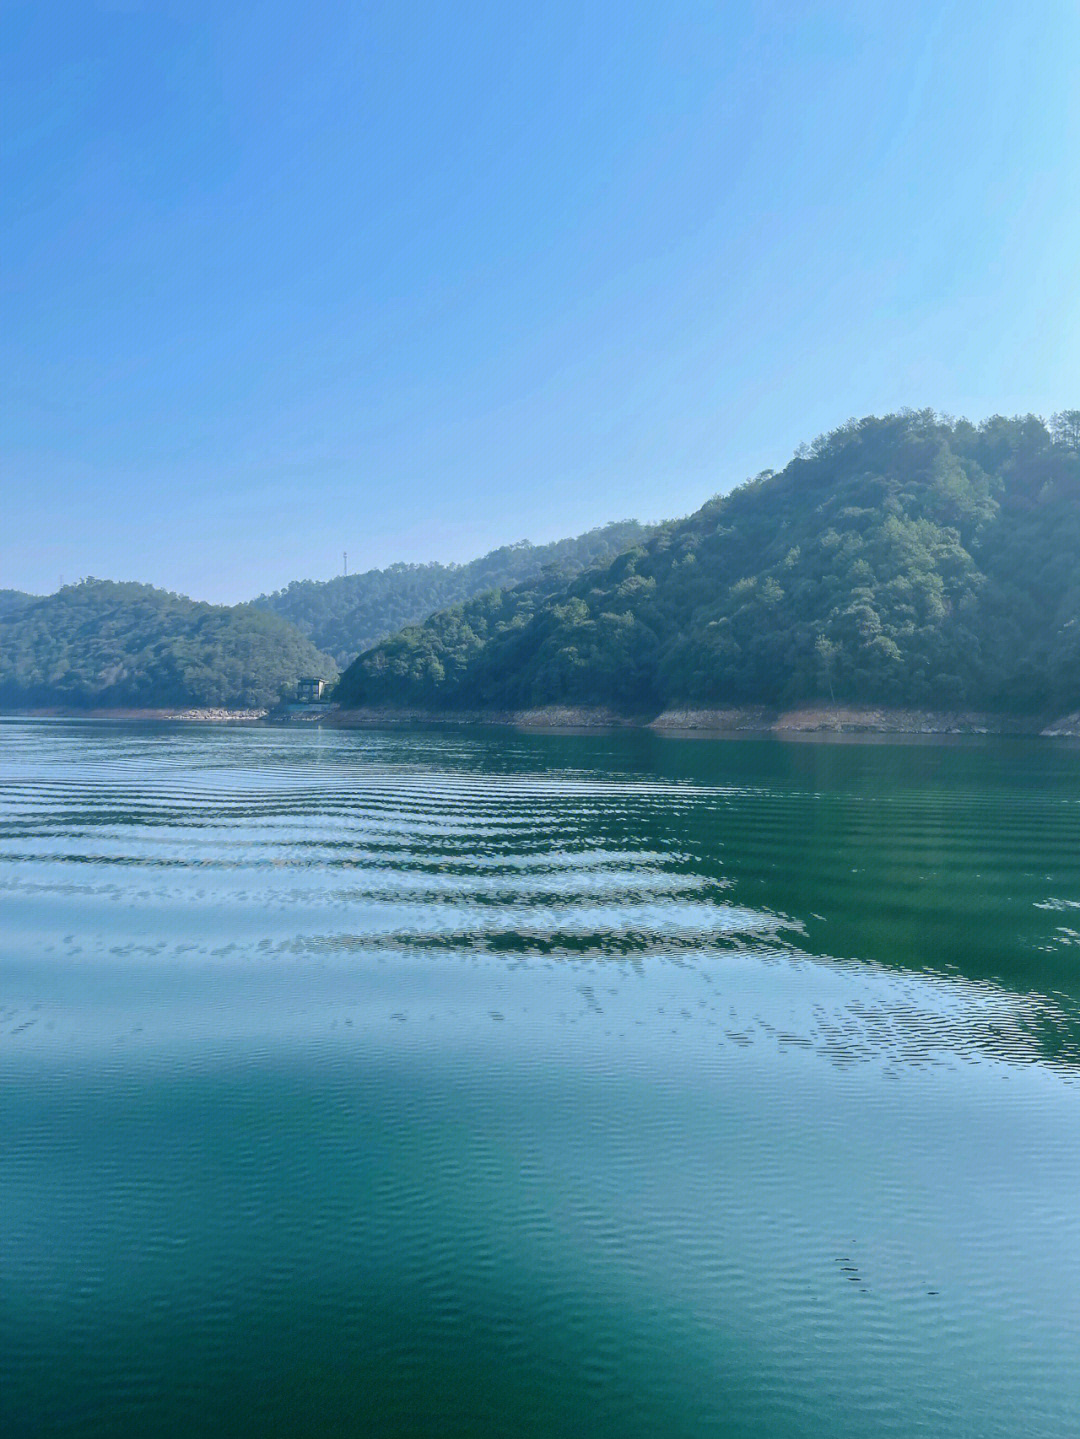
98	643
350	614
904	560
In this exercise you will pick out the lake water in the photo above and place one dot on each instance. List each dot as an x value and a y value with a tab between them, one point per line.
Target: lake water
472	1083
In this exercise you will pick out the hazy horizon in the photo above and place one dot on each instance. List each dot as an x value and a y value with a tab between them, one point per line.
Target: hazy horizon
353	572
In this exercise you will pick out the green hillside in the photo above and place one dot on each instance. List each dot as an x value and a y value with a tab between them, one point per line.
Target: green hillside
350	614
904	560
103	644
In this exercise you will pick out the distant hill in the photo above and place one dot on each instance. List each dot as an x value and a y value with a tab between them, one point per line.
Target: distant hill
906	560
12	601
347	615
103	644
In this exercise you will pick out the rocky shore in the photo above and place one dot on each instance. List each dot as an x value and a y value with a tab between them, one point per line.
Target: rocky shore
847	719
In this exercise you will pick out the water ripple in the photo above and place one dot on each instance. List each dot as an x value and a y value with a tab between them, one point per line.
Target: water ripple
466	1083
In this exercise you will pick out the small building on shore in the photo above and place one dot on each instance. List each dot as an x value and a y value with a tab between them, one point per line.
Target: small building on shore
310	691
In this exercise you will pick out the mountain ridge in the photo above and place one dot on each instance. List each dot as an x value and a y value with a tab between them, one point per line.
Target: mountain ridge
910	559
348	614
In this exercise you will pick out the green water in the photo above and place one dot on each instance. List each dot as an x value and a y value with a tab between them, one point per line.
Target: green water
469	1083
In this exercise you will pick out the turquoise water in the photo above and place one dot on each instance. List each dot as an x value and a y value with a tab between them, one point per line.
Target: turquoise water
476	1083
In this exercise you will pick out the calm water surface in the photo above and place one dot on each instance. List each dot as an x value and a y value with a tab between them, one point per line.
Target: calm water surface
473	1083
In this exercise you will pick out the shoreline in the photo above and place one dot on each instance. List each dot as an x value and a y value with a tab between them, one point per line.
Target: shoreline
805	720
748	719
198	714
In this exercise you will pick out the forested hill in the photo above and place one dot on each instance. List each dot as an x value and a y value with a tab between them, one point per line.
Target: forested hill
906	560
352	613
11	601
102	644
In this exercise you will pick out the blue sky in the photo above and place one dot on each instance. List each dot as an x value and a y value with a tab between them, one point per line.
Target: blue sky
413	280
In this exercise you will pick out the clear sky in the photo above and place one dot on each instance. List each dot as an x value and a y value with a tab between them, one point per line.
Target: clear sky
413	280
